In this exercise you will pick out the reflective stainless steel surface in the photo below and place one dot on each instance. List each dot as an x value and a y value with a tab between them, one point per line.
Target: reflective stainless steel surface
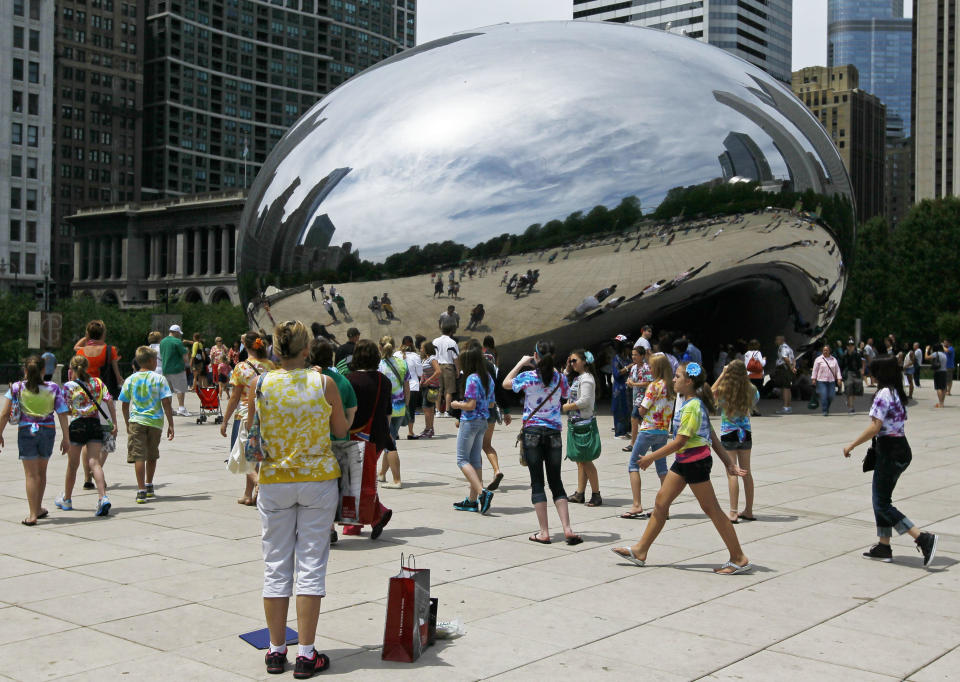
491	131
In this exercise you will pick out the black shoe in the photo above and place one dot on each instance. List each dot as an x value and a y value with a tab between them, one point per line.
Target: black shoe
334	537
927	544
89	485
381	524
595	500
306	667
276	662
466	505
486	497
880	552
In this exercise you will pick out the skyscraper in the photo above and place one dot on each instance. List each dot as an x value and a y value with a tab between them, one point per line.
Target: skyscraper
759	31
936	42
874	36
225	79
26	141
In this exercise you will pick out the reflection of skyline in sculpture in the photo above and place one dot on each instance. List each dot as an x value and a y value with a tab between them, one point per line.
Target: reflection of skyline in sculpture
511	126
744	159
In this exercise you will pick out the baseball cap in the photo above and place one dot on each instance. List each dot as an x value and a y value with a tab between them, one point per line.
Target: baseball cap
176	328
619	337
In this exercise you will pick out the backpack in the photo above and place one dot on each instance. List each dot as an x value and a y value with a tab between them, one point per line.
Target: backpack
754	366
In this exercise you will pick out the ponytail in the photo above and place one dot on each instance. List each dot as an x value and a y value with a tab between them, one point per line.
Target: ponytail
78	365
33	373
546	366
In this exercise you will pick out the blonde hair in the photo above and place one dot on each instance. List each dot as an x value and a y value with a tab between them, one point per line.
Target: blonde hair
154	337
143	356
290	338
661	370
78	365
734	391
387	346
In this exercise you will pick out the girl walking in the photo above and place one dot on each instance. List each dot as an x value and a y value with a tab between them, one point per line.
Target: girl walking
691	443
498	412
583	448
37	401
543	390
394	367
474	410
637	381
888	416
736	396
656	413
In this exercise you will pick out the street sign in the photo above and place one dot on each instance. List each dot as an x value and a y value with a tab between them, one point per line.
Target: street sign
44	330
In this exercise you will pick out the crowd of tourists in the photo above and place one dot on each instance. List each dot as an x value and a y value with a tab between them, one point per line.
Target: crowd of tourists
326	418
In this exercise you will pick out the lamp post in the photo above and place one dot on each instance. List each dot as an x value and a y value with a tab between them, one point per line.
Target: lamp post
3	268
46	287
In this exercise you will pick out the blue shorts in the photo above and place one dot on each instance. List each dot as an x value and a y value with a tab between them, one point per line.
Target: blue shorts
35	445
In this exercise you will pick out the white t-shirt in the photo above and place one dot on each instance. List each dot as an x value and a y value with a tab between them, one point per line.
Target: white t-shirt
447	350
643	342
414	369
159	369
785	355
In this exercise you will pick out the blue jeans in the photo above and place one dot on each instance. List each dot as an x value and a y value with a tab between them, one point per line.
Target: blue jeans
543	449
648	441
826	390
470	443
893	458
621	412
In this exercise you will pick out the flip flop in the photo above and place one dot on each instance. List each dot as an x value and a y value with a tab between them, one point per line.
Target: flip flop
635	515
627	448
631	557
43	514
574	540
746	568
28	523
495	483
743	517
536	538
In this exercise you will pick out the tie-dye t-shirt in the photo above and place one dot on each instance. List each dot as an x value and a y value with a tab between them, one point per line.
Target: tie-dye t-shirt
244	376
80	404
483	396
692	421
145	392
295	427
534	393
890	411
659	407
741	425
395	369
640	374
38	408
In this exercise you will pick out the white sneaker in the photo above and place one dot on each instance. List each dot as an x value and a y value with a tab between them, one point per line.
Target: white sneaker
182	411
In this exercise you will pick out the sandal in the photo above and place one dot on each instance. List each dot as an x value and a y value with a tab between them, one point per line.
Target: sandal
537	538
28	523
734	515
627	448
495	483
635	515
43	514
576	498
629	556
744	517
574	539
746	568
595	500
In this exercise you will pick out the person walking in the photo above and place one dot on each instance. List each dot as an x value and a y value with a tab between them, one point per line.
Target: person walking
909	371
450	316
755	363
41	406
299	410
851	367
198	362
429	386
693	437
478	396
328	306
918	362
544	389
499	412
414	372
447	353
173	358
937	358
621	399
580	418
951	363
86	397
827	377
638	379
736	396
394	367
103	360
656	413
888	416
784	372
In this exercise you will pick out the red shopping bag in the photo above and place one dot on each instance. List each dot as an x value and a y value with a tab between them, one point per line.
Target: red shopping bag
407	629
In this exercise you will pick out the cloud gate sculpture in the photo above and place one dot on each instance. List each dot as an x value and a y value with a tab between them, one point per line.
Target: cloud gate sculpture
549	136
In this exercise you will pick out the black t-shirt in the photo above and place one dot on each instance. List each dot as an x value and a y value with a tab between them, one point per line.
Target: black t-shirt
851	361
344	351
365	386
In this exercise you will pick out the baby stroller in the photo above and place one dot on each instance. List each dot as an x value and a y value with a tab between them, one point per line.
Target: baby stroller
209	403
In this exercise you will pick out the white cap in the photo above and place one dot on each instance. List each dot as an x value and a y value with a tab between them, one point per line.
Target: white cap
176	328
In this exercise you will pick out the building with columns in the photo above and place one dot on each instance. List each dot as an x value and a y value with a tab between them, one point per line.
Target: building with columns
141	254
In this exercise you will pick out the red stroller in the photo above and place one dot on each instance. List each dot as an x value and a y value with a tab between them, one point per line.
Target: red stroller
209	403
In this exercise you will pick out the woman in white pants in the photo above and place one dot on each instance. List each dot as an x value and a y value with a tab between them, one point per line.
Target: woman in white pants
299	409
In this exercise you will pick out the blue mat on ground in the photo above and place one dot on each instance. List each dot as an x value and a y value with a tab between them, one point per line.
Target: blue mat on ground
261	638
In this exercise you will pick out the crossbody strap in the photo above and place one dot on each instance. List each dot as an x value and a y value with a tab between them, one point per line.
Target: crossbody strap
544	401
95	401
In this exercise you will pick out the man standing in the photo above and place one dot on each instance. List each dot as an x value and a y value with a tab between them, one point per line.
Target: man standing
869	353
174	362
645	335
918	360
951	363
851	364
784	373
451	317
344	354
447	354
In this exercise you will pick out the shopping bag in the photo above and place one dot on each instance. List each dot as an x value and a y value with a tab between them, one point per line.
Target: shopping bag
237	462
407	630
349	454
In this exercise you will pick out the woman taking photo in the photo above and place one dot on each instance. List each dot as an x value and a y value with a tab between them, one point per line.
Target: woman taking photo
299	409
474	410
544	389
691	443
736	396
38	401
87	397
243	379
579	411
826	375
656	413
394	367
892	453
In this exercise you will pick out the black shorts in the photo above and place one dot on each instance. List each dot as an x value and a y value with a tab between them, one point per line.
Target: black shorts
731	441
693	472
783	377
940	380
84	430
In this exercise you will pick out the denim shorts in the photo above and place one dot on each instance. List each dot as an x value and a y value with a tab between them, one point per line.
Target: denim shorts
38	445
647	441
470	443
731	441
694	472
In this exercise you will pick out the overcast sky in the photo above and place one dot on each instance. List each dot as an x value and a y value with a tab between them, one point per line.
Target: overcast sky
439	18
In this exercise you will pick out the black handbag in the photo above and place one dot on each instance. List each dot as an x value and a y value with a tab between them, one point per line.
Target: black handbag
519	441
870	459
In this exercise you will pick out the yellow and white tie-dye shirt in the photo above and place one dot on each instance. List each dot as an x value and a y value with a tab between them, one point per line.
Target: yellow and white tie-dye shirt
295	427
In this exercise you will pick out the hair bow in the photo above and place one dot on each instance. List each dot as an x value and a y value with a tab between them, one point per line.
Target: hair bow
588	356
693	369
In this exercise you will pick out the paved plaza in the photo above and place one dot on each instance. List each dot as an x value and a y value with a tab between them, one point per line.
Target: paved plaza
161	591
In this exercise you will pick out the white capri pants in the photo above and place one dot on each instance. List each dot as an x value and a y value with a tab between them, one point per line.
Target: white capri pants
296	520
